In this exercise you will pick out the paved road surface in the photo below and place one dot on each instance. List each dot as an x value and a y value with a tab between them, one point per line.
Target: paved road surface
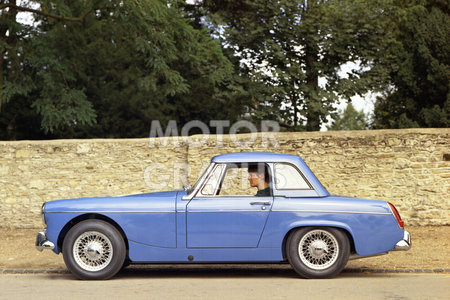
227	283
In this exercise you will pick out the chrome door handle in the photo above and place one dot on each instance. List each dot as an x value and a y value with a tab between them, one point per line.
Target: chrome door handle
260	203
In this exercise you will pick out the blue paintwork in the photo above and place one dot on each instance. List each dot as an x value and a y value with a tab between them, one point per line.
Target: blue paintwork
162	201
227	222
148	219
144	254
372	233
162	227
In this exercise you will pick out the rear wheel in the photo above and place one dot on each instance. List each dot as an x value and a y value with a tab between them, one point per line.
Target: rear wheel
94	249
318	252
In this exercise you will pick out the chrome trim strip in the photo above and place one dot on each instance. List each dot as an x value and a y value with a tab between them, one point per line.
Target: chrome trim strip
235	196
307	211
108	211
224	211
333	212
205	211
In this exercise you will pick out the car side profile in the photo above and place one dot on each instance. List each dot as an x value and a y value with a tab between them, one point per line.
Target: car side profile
248	207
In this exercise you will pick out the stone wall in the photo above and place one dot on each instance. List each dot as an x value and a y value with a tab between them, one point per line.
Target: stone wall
32	172
410	168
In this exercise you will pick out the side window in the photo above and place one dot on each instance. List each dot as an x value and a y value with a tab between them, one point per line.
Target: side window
246	179
209	189
288	177
235	182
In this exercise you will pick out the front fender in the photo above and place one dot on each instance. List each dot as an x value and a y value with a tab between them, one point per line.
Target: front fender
153	229
148	219
55	225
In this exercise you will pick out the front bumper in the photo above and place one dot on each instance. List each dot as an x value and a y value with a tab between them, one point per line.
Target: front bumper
405	243
42	242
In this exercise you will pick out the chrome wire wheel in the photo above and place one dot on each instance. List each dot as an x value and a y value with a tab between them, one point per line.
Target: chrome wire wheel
318	249
92	251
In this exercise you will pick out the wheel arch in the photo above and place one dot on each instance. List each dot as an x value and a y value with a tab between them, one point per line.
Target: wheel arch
90	216
340	227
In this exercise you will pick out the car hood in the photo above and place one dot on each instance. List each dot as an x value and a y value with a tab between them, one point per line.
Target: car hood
161	201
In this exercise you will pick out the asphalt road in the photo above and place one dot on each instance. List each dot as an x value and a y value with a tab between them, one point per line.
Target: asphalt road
227	283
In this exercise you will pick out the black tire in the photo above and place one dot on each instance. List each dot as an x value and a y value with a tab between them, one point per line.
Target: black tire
94	249
126	263
318	252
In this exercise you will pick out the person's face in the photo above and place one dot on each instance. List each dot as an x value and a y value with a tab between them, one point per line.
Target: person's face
254	179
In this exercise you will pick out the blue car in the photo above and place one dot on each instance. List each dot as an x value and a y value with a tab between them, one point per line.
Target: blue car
246	207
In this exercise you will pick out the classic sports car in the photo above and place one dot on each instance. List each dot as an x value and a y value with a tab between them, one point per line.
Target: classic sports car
246	207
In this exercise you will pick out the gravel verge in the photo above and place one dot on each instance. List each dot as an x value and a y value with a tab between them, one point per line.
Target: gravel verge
430	253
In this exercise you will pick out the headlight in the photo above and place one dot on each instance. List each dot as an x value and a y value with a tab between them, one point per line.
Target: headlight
43	214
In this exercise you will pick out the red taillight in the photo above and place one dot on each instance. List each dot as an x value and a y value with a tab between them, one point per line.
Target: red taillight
396	215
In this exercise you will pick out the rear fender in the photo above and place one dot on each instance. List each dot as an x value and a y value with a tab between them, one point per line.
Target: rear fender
344	227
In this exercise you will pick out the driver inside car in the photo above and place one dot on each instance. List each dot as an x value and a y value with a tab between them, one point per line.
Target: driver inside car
258	176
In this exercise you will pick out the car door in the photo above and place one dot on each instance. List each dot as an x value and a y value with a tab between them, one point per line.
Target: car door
220	217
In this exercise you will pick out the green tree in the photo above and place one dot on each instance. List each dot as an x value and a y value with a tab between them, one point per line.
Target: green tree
289	45
350	119
419	68
111	71
18	72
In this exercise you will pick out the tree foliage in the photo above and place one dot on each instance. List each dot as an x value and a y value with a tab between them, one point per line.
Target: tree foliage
291	45
107	68
350	119
419	68
113	70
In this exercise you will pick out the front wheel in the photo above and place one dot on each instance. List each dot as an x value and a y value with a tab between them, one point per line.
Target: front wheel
320	252
94	249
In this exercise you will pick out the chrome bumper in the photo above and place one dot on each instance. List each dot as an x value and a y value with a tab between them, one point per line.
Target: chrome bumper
42	242
404	244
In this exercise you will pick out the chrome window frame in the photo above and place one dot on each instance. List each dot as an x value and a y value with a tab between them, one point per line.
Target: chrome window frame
222	177
218	183
299	172
199	184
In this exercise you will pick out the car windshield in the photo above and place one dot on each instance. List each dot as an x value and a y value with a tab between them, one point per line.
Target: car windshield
200	180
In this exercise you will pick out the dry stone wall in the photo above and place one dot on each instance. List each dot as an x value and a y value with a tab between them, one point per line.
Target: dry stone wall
410	168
